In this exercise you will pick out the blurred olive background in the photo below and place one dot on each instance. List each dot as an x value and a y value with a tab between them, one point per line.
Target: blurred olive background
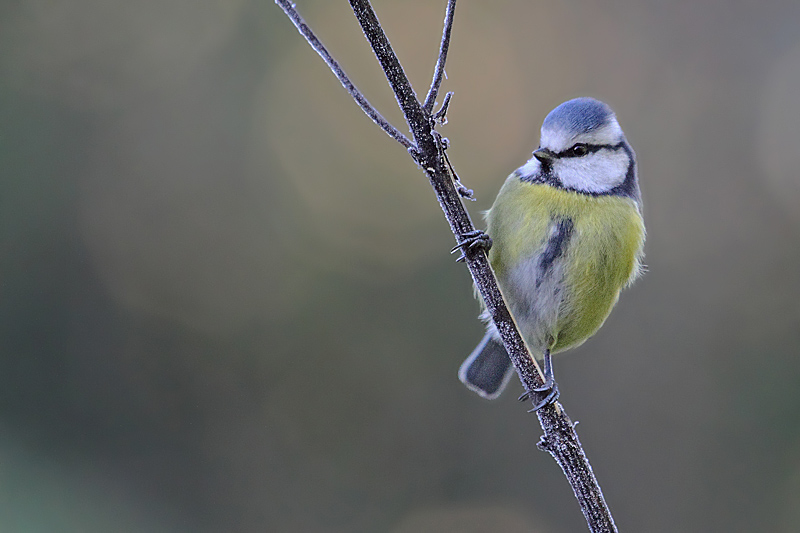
227	303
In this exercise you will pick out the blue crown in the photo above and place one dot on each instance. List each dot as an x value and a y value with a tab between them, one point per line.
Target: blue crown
580	115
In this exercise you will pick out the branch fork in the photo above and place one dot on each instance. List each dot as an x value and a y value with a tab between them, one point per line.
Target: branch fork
428	149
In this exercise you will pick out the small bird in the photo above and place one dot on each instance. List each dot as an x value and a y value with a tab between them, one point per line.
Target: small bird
565	236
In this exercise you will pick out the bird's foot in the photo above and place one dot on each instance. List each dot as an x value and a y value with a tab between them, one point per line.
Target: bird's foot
472	241
548	396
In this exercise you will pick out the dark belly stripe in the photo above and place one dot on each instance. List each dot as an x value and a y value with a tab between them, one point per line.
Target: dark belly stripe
555	247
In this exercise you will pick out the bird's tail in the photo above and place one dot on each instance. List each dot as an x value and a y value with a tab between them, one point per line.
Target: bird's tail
487	369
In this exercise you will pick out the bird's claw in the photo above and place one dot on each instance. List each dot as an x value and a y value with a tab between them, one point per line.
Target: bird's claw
549	395
473	240
549	388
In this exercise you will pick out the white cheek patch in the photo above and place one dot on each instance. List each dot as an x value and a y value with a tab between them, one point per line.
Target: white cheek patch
596	173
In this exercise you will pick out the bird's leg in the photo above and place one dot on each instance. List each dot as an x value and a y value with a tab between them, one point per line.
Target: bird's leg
472	241
549	388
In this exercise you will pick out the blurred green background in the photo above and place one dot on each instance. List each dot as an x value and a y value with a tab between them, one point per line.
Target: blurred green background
227	303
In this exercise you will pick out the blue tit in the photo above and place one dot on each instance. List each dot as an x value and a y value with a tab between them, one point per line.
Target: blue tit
567	236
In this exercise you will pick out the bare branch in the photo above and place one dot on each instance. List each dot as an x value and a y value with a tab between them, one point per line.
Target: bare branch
360	99
438	72
559	439
417	120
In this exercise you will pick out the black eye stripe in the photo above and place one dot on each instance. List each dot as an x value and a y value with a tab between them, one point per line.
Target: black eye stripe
590	149
544	175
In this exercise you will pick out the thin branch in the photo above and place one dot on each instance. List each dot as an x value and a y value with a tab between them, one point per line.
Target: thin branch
559	439
417	120
430	159
349	86
438	73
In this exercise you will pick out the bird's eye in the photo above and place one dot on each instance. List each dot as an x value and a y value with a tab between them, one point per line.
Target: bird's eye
579	150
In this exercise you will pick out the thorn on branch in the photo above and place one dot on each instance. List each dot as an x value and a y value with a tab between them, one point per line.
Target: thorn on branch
440	117
465	193
544	444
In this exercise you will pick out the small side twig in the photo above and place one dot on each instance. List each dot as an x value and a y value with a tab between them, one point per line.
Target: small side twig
438	73
559	439
316	44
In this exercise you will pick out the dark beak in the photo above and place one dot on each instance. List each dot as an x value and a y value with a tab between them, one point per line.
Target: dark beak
544	155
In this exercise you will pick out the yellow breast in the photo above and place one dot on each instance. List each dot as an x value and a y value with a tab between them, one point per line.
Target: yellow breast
602	256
